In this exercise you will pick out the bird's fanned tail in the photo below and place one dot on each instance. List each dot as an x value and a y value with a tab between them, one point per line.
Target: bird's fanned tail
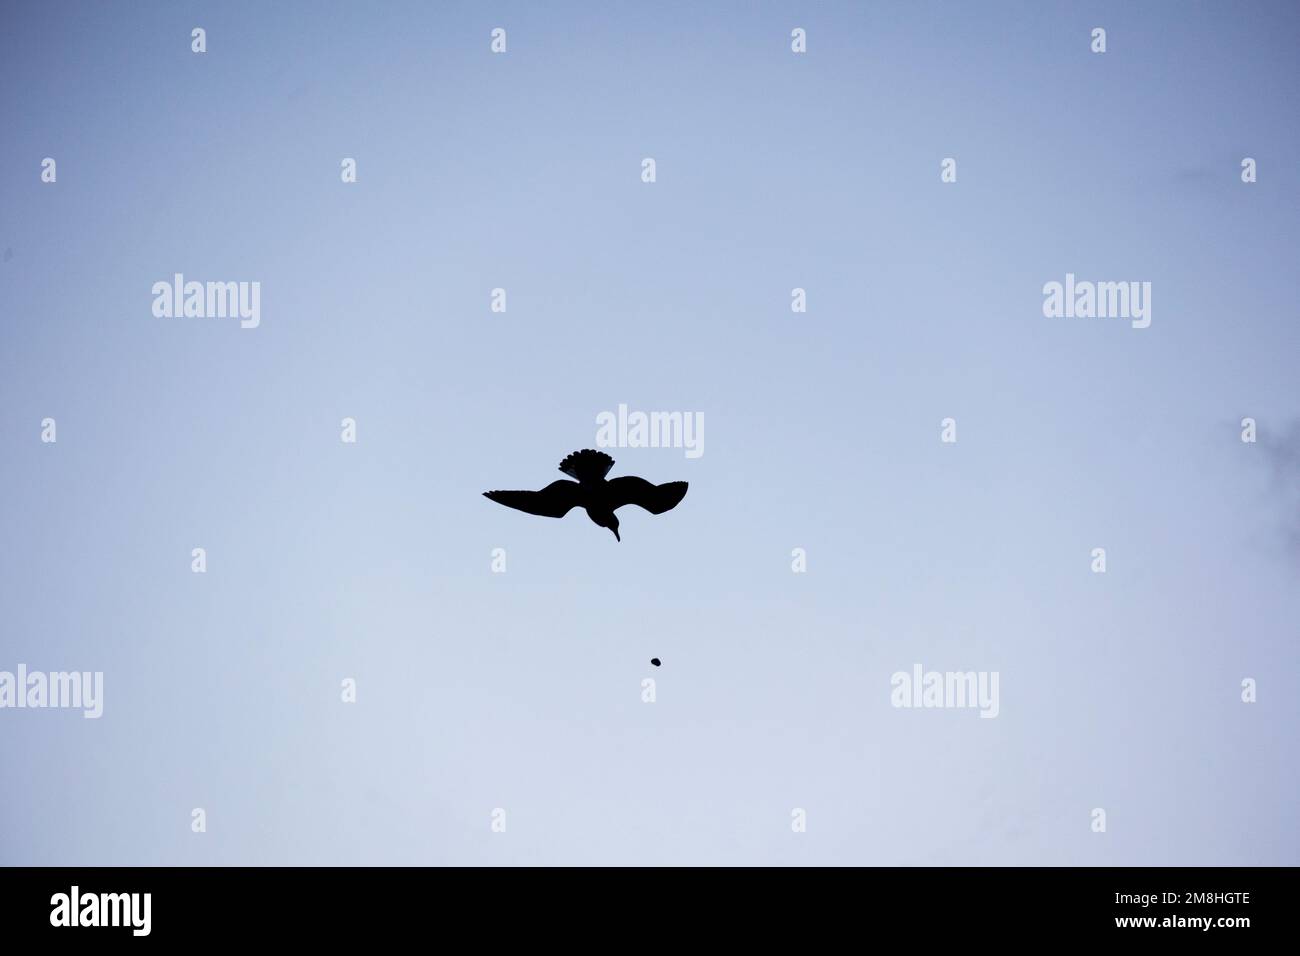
587	465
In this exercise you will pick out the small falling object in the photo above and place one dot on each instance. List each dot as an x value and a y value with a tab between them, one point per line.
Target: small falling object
654	661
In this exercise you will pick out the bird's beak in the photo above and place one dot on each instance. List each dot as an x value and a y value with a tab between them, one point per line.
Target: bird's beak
616	537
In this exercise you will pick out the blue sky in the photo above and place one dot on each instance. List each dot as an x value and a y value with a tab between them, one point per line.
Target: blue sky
522	690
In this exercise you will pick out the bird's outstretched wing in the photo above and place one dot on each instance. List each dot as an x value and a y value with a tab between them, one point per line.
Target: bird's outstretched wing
553	501
656	499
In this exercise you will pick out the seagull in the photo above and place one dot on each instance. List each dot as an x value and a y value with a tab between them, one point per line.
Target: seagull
591	492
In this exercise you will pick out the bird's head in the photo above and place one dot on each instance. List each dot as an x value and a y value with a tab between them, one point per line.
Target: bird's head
612	525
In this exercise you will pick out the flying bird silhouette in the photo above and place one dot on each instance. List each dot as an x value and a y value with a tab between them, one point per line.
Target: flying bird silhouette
591	492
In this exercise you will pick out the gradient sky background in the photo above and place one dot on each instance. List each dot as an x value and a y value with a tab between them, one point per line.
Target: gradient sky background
522	690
